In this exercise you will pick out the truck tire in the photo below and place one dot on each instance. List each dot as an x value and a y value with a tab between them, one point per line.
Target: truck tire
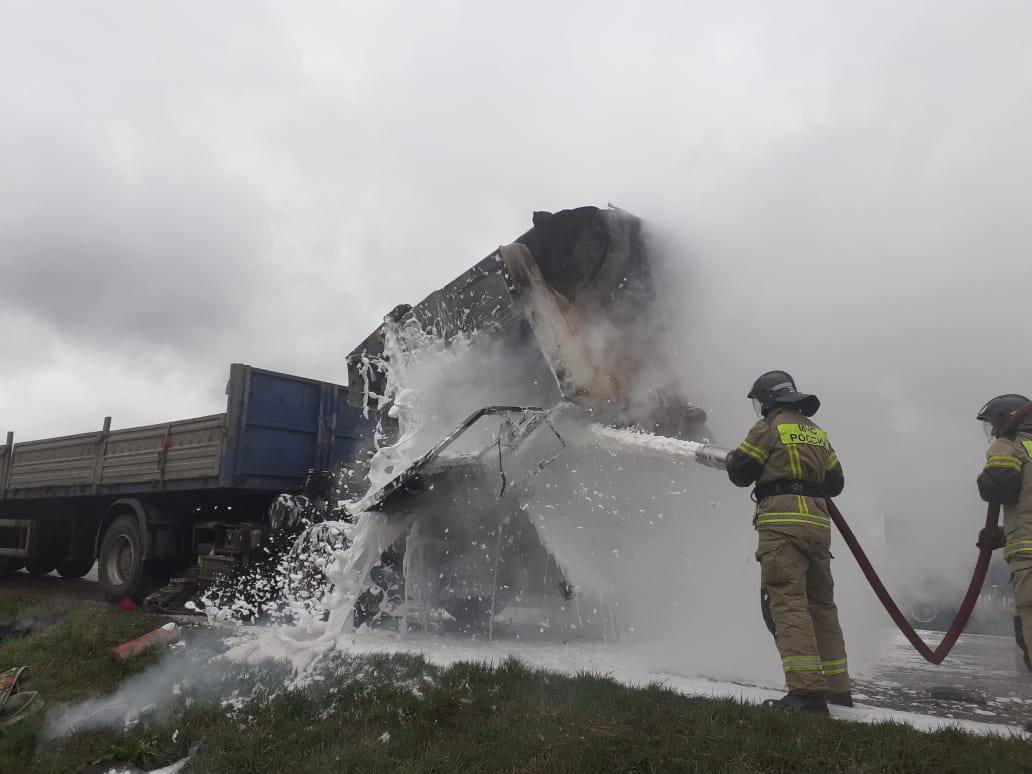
120	564
40	566
74	568
9	565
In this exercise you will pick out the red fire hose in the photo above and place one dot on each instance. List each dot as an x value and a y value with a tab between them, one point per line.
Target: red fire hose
992	519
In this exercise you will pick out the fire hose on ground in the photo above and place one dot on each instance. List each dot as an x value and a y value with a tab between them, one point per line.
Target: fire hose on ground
715	457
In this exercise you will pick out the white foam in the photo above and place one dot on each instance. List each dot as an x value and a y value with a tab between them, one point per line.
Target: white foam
620	661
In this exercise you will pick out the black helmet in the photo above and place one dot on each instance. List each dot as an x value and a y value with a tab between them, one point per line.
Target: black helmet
996	412
778	388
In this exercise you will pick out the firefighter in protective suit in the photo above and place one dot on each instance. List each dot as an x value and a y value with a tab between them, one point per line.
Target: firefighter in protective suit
794	468
1006	480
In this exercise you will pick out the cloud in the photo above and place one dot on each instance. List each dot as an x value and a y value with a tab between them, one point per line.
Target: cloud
249	182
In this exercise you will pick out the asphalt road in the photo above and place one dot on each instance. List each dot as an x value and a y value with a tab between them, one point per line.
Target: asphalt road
979	666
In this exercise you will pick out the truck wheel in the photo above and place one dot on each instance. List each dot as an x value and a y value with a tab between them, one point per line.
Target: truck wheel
40	566
9	565
120	565
74	568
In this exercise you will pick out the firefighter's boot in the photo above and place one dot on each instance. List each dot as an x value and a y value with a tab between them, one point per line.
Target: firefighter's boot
841	699
797	702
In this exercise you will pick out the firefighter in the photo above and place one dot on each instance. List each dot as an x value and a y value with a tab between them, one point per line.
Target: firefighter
794	468
1006	480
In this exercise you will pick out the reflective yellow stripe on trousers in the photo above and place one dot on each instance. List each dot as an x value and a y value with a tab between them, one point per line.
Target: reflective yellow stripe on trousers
836	667
814	519
801	663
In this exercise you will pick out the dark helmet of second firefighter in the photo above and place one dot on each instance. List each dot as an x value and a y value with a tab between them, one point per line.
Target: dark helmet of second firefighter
996	412
778	388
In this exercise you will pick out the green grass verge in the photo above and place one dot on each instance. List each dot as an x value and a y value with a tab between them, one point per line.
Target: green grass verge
471	718
71	659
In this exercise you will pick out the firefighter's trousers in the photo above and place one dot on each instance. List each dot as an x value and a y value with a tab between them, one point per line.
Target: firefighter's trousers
1021	584
795	574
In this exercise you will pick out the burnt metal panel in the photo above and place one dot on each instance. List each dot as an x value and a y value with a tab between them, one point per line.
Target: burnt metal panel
577	273
575	305
477	301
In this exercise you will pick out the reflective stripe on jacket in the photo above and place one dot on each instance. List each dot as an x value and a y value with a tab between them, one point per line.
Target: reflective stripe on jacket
790	447
1007	478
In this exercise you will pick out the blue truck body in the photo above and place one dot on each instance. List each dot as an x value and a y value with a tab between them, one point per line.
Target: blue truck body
281	426
275	427
61	499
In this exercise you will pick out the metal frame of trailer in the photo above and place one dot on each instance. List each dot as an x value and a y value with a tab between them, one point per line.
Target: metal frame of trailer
58	496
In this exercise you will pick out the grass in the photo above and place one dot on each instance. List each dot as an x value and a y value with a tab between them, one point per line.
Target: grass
71	659
467	718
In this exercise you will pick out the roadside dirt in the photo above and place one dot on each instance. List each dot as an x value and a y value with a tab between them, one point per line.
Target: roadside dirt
86	589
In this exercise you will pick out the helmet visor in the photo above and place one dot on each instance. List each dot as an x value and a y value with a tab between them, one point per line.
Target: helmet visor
757	407
989	431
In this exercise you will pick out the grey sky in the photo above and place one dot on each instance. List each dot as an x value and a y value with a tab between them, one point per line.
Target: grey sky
186	184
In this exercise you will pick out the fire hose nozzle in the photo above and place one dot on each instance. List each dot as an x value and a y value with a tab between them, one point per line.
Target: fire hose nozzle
712	456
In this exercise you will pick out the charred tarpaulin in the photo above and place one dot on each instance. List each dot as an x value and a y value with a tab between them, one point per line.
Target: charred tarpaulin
574	300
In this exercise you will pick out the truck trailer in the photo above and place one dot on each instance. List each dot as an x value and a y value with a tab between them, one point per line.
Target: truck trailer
186	496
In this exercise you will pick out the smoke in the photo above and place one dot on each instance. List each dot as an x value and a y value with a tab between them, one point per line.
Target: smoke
194	671
878	257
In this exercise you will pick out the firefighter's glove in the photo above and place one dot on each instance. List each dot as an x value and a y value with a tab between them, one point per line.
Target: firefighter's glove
991	538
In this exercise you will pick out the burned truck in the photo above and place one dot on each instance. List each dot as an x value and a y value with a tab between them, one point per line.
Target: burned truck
561	330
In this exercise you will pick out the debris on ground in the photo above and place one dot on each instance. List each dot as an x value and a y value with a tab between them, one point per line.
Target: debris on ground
26	626
165	634
16	703
121	768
